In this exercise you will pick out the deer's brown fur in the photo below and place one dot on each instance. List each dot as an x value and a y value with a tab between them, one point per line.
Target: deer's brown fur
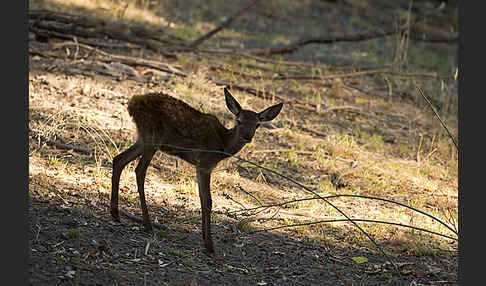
167	124
183	127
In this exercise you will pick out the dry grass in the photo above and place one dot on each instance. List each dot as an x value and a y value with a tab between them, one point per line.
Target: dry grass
400	153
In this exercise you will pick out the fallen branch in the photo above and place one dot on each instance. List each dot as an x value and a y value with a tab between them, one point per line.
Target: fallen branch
341	38
364	36
126	59
46	34
226	23
77	25
320	40
312	131
36	52
51	31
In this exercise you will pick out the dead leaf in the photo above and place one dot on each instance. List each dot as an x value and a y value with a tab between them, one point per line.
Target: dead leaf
318	267
359	259
361	100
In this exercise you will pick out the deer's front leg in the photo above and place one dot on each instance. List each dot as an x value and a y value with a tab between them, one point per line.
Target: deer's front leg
203	182
141	171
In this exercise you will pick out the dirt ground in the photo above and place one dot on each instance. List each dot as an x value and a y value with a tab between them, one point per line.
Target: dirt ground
74	241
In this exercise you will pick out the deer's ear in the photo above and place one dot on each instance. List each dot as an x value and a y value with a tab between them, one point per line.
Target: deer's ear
270	113
231	102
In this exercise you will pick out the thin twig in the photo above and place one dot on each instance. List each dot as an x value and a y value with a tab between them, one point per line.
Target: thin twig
298	184
250	194
329	203
437	115
353	196
357	219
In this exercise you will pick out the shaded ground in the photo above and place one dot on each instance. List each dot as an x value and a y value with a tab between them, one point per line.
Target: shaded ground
73	241
106	253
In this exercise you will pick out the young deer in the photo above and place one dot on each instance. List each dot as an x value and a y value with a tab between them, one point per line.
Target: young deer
167	124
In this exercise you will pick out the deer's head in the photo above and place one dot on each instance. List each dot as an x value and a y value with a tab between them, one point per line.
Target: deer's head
247	121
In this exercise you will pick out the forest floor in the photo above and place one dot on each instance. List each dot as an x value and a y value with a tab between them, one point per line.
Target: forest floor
353	128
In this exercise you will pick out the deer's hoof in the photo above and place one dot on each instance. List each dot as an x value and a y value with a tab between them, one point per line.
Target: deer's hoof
115	215
147	228
209	250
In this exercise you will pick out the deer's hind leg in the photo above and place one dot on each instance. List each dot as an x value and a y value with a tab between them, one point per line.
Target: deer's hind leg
204	183
119	163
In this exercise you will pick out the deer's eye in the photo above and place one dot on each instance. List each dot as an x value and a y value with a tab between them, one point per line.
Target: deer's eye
258	125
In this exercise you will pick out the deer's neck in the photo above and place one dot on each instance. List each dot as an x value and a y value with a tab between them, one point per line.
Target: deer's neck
233	142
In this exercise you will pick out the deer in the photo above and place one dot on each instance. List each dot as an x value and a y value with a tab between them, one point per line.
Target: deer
165	123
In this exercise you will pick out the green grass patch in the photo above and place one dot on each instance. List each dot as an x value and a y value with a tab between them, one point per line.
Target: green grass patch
73	233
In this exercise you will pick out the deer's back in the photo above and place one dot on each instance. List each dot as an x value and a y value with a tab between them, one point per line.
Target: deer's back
163	119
